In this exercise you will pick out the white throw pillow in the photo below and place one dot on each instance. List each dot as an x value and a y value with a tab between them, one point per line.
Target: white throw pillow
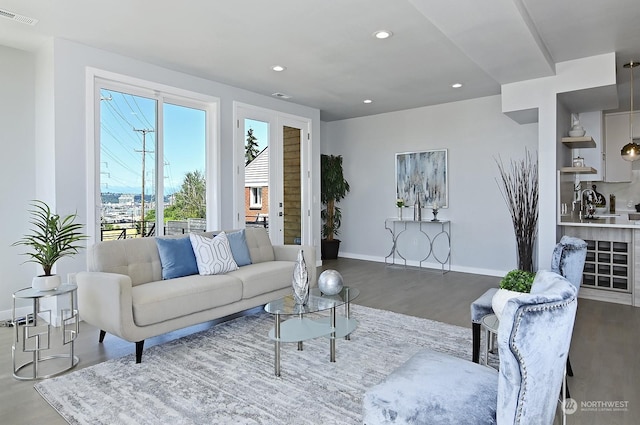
213	256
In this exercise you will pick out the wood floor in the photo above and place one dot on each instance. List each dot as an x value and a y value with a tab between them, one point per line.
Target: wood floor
604	351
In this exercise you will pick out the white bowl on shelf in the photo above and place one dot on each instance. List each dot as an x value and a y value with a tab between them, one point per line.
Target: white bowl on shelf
576	133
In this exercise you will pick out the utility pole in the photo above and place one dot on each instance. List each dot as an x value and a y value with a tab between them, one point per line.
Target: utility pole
144	150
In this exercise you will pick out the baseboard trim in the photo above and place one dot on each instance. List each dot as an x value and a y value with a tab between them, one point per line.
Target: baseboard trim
427	265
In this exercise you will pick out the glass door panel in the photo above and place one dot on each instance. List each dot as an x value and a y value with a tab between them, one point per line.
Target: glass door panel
127	164
184	159
292	190
256	173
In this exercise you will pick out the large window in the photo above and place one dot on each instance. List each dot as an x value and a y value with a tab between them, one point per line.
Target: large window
153	168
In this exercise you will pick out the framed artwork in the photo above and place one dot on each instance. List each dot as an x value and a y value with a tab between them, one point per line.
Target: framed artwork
424	176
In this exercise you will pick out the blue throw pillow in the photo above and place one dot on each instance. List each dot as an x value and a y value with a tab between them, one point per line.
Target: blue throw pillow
239	248
177	257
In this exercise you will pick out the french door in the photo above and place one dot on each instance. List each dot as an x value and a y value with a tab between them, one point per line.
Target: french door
277	169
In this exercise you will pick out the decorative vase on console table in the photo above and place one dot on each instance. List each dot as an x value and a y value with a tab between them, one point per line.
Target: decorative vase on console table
435	212
400	205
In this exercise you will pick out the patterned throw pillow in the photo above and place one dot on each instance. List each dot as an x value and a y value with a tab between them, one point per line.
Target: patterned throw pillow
213	255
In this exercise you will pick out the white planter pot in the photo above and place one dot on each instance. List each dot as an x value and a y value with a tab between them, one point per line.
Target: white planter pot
500	300
46	283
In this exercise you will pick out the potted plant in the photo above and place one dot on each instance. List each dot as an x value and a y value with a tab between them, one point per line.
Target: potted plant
514	284
52	237
519	189
333	188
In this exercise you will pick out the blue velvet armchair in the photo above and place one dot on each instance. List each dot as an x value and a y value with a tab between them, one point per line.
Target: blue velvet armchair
567	259
533	343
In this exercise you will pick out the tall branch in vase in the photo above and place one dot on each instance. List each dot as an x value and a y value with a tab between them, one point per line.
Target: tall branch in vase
519	188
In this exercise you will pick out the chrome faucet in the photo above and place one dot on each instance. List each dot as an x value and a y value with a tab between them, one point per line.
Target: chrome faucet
588	207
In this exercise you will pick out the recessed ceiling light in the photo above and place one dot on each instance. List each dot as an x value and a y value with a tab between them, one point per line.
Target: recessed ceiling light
456	85
278	68
382	34
367	101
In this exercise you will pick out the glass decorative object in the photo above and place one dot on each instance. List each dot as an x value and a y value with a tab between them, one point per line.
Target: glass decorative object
400	205
300	281
435	212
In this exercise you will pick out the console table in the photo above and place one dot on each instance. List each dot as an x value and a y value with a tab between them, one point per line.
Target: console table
434	231
34	338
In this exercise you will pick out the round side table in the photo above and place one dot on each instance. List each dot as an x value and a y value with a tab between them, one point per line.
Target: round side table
490	324
32	337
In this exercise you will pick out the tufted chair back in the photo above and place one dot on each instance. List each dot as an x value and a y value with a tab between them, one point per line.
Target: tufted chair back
533	341
568	259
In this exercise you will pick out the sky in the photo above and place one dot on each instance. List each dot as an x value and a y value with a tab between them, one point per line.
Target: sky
121	146
260	131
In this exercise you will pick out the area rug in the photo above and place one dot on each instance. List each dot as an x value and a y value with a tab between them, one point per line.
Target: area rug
225	375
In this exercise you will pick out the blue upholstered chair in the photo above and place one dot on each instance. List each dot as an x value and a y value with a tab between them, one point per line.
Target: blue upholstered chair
567	259
533	343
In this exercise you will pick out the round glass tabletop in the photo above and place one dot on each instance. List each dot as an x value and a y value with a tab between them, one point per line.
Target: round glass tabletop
317	302
34	293
491	322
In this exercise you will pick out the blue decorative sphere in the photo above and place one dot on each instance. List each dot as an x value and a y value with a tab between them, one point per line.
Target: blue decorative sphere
330	282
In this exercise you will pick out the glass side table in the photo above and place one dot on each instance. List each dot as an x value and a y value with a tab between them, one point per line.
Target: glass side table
490	324
33	338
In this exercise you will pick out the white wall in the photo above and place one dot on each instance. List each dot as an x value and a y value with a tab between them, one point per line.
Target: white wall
17	167
475	132
542	95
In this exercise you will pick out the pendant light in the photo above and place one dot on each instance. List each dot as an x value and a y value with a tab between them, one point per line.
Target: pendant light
631	151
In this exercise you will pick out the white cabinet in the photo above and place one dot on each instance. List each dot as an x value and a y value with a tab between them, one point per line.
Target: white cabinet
616	136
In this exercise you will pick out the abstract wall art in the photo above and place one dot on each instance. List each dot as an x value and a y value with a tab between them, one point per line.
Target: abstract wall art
424	176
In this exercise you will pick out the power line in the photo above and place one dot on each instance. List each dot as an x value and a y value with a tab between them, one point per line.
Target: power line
144	151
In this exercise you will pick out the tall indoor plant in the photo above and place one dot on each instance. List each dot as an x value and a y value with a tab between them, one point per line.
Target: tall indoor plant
333	188
519	187
52	237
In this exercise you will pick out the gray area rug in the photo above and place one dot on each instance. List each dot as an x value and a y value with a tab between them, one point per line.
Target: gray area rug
225	375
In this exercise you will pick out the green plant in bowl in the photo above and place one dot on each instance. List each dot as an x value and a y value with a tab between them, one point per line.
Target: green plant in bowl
518	281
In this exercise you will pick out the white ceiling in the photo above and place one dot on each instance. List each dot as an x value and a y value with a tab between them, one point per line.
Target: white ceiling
333	62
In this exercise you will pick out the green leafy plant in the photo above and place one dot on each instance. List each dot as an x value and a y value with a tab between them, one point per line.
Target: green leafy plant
52	237
518	280
333	187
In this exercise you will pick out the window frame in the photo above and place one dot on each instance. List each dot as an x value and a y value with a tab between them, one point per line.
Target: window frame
255	198
96	80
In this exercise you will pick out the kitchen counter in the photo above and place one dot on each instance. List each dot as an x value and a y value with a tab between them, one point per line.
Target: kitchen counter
620	221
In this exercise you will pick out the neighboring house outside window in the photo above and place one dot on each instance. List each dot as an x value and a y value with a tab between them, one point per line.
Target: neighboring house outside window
256	190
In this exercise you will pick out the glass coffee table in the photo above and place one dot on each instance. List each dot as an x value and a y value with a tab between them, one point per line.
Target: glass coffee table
300	328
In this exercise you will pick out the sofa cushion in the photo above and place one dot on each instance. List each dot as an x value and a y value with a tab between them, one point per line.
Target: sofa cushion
239	248
259	245
260	278
177	257
138	258
162	300
213	255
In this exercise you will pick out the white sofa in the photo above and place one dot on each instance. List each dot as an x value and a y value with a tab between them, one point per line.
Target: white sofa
123	292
